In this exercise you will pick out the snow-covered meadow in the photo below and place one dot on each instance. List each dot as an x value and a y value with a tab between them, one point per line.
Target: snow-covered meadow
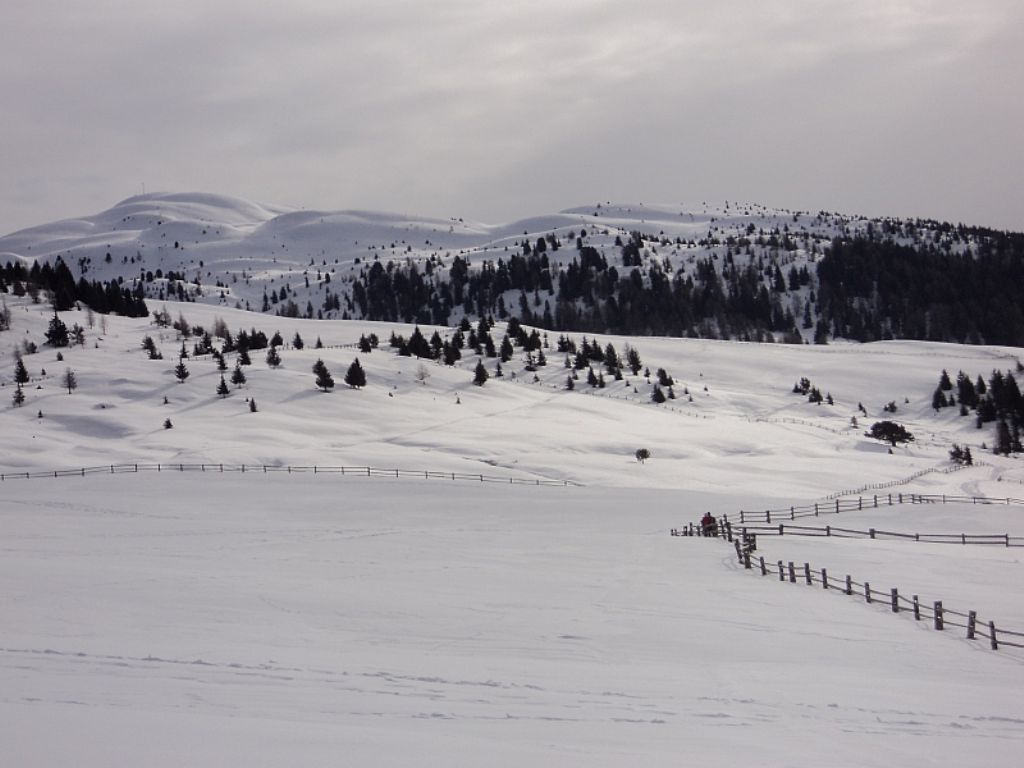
264	619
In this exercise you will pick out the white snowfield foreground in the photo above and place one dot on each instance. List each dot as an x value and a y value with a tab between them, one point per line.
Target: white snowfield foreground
168	619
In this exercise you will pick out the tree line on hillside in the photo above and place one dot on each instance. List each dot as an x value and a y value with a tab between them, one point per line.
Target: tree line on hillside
63	291
997	402
864	287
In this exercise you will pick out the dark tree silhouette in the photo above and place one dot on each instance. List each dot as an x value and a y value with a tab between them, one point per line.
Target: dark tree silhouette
355	376
324	380
890	432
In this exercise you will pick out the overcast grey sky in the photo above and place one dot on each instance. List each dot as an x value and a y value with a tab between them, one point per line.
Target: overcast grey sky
493	111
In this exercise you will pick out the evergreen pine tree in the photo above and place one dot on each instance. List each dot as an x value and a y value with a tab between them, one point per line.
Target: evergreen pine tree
319	344
57	332
19	396
252	405
480	375
297	342
569	383
181	371
633	360
657	396
243	357
273	358
237	376
20	372
324	380
221	364
355	376
222	388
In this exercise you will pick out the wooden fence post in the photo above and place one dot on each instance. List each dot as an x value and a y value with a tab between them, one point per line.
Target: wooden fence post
780	529
860	503
849	585
917	609
871	532
792	573
895	600
972	621
807	573
764	571
867	592
746	559
782	572
992	635
824	579
938	614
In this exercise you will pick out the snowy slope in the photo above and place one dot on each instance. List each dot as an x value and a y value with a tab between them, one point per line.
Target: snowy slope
263	619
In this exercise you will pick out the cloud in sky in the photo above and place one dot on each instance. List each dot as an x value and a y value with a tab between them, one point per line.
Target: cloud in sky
494	111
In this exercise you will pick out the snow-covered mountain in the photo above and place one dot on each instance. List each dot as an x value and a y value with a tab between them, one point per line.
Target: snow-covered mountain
206	618
232	252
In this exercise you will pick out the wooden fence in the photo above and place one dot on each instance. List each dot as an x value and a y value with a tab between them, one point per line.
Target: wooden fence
315	469
1001	539
817	509
940	617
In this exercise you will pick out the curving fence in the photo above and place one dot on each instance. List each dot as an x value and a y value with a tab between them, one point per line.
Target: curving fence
744	537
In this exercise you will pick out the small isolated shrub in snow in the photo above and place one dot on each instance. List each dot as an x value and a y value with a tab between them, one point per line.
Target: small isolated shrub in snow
642	455
167	424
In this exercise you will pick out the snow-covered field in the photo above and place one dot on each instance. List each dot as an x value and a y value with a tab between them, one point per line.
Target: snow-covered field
175	618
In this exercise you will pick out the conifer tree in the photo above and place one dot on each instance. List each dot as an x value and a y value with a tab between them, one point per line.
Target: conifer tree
273	358
252	405
480	375
355	376
297	342
633	360
222	388
324	380
19	396
238	376
20	372
181	371
57	332
657	396
243	357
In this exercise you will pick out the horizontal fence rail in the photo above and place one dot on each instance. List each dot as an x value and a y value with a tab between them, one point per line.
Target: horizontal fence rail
315	469
782	529
863	502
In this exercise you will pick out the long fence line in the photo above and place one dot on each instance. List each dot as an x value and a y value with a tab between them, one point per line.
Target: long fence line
315	469
839	505
903	481
940	616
